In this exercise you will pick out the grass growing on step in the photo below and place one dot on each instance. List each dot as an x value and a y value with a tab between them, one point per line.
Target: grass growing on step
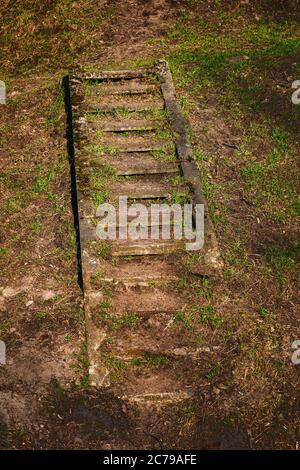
103	249
150	360
190	316
164	134
101	150
179	197
117	322
164	153
127	320
208	315
115	365
102	177
99	197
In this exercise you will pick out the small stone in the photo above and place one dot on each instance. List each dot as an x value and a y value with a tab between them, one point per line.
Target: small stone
47	294
30	302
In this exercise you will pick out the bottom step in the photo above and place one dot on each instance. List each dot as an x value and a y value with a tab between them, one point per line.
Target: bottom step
157	399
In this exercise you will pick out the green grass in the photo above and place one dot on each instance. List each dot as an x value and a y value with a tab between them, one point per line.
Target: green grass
115	365
36	226
179	197
99	197
4	326
208	315
213	373
52	46
56	108
101	150
15	203
103	249
3	252
102	177
41	315
42	183
106	303
263	312
127	320
190	316
188	412
150	360
284	261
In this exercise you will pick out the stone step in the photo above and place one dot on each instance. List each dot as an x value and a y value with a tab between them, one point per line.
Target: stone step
123	88
158	399
146	247
130	103
152	385
117	75
147	299
124	125
114	144
128	166
141	271
157	216
141	190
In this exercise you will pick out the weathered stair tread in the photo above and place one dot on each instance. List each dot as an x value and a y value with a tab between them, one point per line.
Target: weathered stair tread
147	299
128	167
129	146
146	247
141	190
117	74
134	343
156	346
157	193
91	159
130	82
135	103
154	211
158	399
149	382
124	125
120	141
141	271
130	143
124	88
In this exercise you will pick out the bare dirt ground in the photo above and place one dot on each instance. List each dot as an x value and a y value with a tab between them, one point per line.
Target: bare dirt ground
248	393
